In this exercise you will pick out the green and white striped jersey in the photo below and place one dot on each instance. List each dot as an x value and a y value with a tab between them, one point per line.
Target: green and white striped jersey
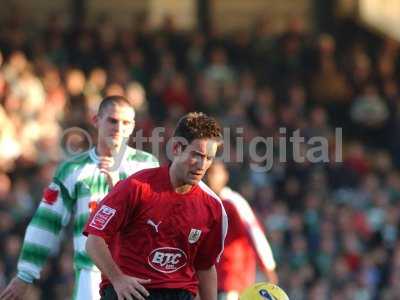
77	184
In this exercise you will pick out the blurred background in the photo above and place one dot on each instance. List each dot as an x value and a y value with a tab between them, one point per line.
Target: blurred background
311	65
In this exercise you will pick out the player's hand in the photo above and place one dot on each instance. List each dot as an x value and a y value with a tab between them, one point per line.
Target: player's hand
130	288
106	165
272	276
16	289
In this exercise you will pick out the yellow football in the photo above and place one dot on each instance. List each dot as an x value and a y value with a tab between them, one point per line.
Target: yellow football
262	291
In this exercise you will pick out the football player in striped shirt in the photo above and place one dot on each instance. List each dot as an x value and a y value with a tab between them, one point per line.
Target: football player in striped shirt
78	184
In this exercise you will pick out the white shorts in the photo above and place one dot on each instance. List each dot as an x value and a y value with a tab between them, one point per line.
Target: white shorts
87	285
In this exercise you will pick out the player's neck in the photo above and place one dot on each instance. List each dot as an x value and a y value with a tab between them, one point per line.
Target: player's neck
104	150
183	189
178	185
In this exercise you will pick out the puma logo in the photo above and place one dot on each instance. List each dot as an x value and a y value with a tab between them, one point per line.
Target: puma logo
151	223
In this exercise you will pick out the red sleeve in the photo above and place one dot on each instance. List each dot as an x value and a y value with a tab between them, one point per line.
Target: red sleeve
236	228
212	246
112	211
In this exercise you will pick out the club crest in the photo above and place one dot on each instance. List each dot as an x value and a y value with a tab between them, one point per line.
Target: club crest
194	235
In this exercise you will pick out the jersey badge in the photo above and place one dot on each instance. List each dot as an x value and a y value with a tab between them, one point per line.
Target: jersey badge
50	194
102	217
194	235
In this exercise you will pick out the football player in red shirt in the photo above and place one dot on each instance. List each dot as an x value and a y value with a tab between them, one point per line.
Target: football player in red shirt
159	233
245	242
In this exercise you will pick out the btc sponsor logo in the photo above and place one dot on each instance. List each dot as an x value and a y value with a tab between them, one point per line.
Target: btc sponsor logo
167	259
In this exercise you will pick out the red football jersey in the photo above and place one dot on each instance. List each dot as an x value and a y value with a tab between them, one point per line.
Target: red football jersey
162	235
245	244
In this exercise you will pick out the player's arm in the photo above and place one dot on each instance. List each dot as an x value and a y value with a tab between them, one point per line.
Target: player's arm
123	285
263	251
258	238
103	224
16	289
107	167
271	275
207	283
42	238
209	253
98	251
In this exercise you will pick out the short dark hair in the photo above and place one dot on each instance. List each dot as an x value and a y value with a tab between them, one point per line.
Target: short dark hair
113	100
197	125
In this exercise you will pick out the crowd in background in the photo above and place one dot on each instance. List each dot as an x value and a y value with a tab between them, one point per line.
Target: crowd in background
333	225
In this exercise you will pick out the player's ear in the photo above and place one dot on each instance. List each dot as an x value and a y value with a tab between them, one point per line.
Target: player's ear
179	145
176	148
95	120
132	127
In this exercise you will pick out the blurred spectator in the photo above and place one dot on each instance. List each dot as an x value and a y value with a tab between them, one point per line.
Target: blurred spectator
218	70
370	113
94	89
177	94
77	107
9	144
329	85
